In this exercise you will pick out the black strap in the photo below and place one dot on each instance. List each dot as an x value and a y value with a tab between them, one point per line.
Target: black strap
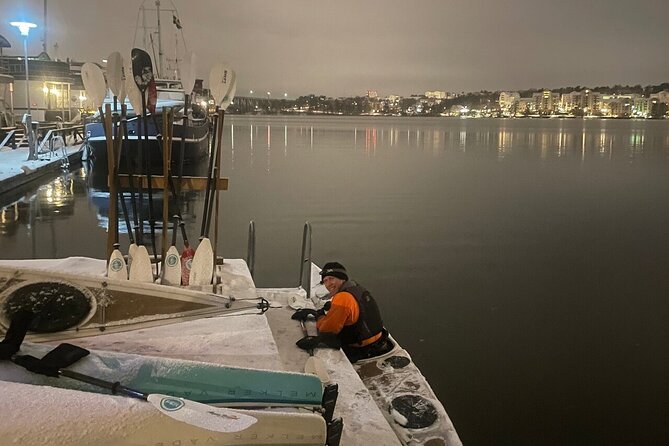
16	333
59	358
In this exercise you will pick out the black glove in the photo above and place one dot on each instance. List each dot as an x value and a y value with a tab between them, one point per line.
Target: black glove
324	340
308	342
303	314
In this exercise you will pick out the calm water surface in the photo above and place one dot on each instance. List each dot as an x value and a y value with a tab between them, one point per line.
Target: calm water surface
523	263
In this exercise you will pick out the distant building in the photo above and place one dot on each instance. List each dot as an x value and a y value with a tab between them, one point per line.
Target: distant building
372	94
617	105
436	94
588	102
508	102
546	102
662	96
642	107
525	106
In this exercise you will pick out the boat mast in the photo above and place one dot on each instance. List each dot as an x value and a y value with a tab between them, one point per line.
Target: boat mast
44	46
160	42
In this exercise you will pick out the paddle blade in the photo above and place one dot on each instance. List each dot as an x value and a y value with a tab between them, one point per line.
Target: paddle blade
94	83
186	264
216	419
117	269
315	366
134	95
202	270
115	75
140	269
142	68
188	73
172	273
230	95
220	79
131	253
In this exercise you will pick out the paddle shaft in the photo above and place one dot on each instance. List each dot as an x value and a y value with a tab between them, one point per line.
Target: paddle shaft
114	387
124	208
182	155
210	176
152	223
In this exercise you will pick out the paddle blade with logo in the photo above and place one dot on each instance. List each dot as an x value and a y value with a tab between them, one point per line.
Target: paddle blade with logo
142	68
117	269
220	80
230	95
216	419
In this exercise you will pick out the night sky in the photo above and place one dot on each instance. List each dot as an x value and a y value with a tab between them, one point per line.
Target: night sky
346	47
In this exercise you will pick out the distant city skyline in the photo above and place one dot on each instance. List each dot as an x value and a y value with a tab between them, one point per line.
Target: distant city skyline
345	48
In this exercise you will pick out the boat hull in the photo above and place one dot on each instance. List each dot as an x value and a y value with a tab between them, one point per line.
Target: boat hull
195	155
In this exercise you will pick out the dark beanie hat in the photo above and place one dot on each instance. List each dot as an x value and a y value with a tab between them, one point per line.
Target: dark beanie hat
334	269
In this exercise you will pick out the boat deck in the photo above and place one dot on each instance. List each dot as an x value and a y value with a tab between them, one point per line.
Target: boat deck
243	339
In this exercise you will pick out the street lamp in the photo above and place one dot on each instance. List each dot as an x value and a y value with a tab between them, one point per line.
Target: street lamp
24	28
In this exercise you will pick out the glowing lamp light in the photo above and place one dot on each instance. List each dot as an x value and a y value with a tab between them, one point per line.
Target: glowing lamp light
45	89
24	27
82	98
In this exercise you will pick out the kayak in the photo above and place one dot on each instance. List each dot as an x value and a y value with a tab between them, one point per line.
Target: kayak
75	418
406	399
79	305
198	381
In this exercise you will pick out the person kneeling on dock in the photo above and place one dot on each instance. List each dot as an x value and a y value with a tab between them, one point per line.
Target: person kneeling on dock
352	316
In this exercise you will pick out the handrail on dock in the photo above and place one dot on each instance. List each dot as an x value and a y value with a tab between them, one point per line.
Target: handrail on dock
76	131
9	138
305	263
251	248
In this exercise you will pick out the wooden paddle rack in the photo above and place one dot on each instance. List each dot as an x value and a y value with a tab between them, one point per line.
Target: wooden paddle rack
160	182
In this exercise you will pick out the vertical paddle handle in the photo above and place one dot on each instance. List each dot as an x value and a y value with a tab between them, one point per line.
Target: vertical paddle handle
113	201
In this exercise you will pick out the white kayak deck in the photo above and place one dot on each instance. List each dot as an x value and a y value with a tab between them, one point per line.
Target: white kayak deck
236	339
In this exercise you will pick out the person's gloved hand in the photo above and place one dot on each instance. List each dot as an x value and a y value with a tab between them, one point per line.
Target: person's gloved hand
324	340
308	342
303	314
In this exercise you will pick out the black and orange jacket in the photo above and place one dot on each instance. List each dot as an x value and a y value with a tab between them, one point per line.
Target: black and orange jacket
344	316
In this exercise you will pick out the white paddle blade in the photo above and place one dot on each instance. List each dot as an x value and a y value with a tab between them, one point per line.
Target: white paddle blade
188	73
202	269
131	253
315	366
140	269
94	82
220	80
117	269
216	419
131	89
115	75
172	273
230	95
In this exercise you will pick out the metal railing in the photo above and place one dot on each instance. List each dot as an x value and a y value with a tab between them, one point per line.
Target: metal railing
251	249
9	138
305	262
60	134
